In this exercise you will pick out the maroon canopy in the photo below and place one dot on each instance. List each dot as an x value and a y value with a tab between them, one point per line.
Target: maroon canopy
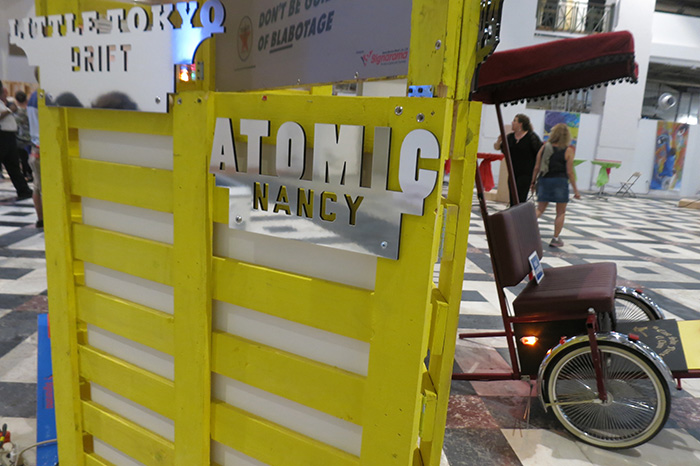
555	67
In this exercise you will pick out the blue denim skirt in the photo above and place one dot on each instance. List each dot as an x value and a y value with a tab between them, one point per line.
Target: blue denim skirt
553	190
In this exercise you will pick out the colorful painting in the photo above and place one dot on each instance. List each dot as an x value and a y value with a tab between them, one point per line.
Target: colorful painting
671	141
572	120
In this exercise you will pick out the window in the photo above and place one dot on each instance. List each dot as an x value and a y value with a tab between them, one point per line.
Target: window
582	17
579	102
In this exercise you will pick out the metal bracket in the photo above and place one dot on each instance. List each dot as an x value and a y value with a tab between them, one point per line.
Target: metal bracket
420	91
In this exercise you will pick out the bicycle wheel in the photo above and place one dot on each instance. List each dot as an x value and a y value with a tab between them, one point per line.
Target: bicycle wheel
631	309
638	401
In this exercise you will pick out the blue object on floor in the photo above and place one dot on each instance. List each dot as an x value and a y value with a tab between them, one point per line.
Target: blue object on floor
46	455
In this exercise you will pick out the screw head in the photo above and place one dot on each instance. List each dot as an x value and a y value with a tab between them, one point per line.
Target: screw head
157	99
357	74
179	101
438	44
199	100
420	118
239	219
384	244
398	110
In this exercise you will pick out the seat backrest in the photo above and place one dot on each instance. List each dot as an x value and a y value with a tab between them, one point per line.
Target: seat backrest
514	235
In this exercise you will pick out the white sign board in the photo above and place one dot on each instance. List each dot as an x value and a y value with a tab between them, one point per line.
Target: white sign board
273	43
121	60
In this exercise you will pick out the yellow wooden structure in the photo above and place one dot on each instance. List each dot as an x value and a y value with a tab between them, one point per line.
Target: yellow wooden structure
113	408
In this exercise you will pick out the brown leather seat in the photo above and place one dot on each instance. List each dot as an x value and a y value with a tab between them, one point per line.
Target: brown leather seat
570	290
514	235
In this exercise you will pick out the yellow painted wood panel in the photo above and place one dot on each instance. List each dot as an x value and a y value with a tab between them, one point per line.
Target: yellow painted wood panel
148	188
690	338
145	388
318	303
319	386
136	256
270	443
91	459
220	200
126	436
121	121
60	278
192	255
133	321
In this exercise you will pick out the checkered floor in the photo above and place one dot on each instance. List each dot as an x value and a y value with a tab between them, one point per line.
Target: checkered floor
22	298
654	244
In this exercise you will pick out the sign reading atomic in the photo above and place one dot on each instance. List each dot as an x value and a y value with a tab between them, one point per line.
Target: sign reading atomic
334	195
123	59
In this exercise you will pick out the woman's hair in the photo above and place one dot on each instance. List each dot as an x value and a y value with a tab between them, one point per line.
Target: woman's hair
560	135
525	121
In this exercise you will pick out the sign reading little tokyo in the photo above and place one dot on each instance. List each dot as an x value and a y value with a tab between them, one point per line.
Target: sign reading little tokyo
330	193
273	43
122	59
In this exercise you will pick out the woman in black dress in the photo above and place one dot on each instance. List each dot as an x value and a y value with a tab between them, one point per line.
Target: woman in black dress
524	145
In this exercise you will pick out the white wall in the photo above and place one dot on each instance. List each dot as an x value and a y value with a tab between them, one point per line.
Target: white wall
675	39
13	68
623	103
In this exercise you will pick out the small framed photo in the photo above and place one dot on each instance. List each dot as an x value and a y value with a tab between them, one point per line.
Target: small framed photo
536	267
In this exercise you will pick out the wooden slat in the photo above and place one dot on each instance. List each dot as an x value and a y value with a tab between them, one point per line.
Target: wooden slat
221	205
192	253
318	303
136	256
148	188
141	386
92	459
268	442
114	120
133	321
126	436
60	275
319	386
690	337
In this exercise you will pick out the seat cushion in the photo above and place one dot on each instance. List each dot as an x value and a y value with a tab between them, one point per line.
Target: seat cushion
571	290
514	235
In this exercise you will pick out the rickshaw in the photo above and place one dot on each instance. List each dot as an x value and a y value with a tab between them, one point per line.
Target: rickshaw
603	358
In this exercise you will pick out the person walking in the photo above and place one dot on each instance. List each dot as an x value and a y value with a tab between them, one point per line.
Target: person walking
23	140
8	147
34	157
554	170
524	145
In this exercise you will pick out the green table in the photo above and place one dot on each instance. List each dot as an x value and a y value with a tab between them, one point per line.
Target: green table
605	167
604	173
576	164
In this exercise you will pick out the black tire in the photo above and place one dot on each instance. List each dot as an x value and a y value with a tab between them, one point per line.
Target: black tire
632	309
639	400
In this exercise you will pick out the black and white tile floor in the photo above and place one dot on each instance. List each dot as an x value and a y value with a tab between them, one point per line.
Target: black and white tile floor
22	297
655	245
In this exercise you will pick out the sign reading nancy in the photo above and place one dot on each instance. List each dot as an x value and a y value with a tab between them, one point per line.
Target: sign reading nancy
276	43
327	190
122	59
